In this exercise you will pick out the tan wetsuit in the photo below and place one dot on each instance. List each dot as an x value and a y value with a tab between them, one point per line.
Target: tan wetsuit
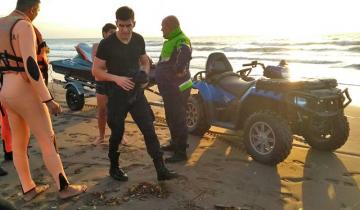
24	94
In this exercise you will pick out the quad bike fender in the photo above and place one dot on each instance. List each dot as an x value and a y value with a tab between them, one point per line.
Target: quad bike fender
211	93
265	94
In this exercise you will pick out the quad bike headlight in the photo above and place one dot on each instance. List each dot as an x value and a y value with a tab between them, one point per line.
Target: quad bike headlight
300	101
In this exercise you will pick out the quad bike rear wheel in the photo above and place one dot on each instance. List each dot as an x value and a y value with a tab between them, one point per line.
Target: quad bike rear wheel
195	116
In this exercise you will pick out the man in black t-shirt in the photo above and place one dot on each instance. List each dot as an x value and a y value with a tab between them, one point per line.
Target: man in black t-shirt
117	61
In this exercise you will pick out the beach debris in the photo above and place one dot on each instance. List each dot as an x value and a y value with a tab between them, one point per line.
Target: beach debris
143	190
100	198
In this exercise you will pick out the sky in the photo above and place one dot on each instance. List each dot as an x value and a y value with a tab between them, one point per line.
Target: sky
283	18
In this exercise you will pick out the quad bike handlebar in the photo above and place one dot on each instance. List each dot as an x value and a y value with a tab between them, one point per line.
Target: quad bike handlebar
253	64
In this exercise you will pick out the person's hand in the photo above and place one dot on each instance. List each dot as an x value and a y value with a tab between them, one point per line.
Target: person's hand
54	107
180	73
125	83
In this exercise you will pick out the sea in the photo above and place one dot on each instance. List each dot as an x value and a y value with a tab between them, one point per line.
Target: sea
327	56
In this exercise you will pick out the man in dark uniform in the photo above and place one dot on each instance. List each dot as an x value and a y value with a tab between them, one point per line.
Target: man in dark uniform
171	71
117	61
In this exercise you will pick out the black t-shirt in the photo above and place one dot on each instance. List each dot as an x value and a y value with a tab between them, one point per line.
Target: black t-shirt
121	59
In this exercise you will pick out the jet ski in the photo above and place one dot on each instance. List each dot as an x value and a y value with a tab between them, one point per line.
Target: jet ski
79	67
77	75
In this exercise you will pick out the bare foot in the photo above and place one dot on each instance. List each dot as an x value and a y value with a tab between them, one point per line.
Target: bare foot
72	190
98	141
28	196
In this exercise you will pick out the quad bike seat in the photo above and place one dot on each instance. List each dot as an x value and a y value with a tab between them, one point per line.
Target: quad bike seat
220	72
235	85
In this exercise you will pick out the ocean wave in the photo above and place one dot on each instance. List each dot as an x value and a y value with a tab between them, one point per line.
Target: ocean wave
274	59
345	43
207	43
355	49
205	48
255	49
154	44
233	49
271	43
353	66
264	49
338	43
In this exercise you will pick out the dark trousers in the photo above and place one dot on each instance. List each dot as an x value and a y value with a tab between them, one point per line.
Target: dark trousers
140	110
175	103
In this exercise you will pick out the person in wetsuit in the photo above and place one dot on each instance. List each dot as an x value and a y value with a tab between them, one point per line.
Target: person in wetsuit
27	100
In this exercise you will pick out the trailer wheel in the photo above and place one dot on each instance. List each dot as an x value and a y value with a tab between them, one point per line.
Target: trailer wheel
74	100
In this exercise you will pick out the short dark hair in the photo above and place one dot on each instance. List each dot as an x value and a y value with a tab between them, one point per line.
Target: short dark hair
24	5
107	27
125	13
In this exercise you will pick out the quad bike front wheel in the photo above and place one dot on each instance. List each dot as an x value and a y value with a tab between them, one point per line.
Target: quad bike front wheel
328	135
195	116
268	137
74	100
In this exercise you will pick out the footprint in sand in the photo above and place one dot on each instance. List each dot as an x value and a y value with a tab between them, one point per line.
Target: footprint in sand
57	123
285	197
300	163
349	184
99	158
295	179
202	179
219	169
4	194
237	160
80	169
333	181
4	186
79	152
147	167
133	166
77	135
347	174
210	164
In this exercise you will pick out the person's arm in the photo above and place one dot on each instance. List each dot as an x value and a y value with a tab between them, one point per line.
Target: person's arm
27	46
182	60
145	63
100	72
144	59
94	50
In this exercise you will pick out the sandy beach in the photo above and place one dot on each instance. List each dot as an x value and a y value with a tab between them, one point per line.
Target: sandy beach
218	175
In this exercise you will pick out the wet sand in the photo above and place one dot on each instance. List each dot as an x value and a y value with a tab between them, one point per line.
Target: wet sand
218	173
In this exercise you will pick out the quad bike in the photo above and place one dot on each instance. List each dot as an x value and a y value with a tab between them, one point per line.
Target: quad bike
270	110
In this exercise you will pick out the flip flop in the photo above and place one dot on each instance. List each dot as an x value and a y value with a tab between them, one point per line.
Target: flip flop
72	190
29	195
